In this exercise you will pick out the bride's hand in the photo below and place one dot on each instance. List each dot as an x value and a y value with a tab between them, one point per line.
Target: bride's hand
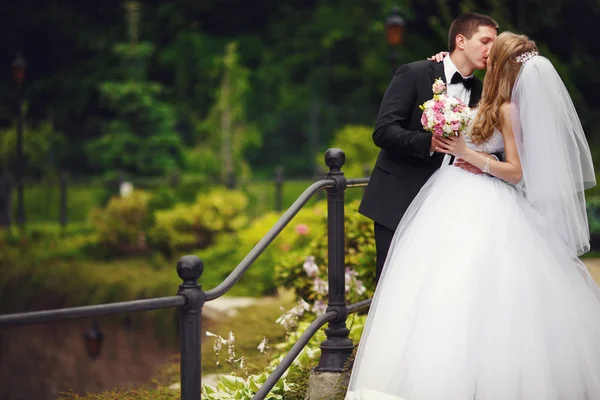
454	145
439	56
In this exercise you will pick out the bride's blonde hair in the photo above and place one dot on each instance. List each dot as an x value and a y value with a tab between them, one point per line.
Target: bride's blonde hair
498	82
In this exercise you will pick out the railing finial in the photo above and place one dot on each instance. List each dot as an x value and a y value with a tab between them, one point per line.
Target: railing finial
335	159
190	268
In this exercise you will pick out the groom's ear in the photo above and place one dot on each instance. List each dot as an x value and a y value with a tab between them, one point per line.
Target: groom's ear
460	41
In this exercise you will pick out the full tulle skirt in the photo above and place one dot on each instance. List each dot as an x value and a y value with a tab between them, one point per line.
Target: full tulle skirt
478	301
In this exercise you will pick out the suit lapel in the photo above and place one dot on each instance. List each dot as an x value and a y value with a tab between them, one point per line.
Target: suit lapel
437	71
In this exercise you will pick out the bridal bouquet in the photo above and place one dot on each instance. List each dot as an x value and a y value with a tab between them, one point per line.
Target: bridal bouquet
444	115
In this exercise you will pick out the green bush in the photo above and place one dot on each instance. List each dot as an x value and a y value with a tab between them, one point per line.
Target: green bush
235	387
162	199
121	225
305	268
230	249
189	186
193	226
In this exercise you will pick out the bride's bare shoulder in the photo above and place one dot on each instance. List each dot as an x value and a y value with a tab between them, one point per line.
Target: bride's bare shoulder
505	120
505	109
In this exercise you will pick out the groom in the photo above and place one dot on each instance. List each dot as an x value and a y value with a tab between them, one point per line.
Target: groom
407	158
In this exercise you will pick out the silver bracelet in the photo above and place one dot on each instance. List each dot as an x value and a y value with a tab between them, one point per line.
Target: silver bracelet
486	166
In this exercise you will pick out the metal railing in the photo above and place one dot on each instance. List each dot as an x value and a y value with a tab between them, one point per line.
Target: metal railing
190	298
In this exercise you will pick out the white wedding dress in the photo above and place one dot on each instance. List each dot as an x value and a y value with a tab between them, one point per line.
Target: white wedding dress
479	301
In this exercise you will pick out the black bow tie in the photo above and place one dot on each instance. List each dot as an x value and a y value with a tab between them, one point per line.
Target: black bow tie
467	82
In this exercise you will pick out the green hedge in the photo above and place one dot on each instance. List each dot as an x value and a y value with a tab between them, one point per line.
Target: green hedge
42	200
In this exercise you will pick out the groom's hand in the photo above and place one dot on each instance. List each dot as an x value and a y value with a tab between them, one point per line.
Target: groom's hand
460	163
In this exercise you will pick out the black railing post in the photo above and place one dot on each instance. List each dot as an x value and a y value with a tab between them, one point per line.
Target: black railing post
336	349
278	188
189	269
20	165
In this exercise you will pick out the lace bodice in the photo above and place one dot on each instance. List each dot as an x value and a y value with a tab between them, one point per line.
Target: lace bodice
495	144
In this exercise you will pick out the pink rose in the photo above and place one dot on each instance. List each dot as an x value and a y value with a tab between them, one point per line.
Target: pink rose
424	120
455	125
438	118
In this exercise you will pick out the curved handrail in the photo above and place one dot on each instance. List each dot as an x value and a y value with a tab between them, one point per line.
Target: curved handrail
257	250
357	182
352	308
289	358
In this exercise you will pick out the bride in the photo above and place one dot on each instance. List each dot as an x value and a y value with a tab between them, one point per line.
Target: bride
482	295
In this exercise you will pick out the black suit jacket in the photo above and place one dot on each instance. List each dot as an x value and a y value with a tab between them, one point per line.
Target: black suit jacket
404	163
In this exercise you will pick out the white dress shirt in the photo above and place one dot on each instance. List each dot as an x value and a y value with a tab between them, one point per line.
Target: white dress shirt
457	90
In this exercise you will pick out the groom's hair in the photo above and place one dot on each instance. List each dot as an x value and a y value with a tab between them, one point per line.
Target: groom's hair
468	24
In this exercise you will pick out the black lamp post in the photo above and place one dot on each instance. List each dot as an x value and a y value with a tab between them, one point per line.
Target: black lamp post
93	341
394	34
19	65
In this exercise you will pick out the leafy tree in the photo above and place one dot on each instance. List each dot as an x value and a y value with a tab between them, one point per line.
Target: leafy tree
141	139
226	133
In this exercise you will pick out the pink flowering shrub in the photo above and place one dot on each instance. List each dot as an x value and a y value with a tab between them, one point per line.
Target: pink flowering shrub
304	268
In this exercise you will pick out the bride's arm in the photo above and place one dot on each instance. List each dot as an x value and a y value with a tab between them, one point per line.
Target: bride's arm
509	170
